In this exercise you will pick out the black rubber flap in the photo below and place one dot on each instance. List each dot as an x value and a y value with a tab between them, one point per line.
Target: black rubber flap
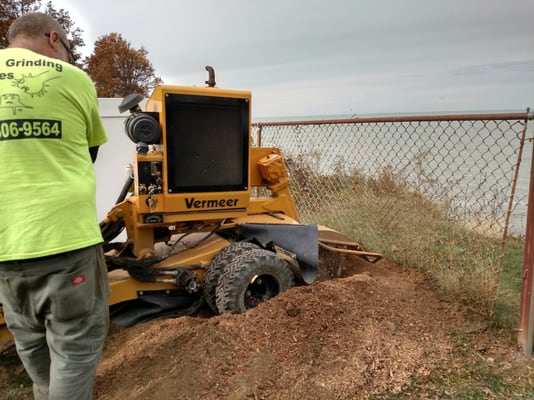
152	305
301	240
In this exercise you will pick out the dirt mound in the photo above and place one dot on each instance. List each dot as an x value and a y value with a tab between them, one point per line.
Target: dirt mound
368	331
362	331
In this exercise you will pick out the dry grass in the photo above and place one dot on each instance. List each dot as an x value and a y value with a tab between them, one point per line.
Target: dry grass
385	215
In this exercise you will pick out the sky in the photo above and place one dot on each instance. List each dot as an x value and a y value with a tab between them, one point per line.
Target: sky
322	58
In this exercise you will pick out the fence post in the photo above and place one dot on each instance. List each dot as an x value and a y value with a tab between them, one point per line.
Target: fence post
258	136
526	310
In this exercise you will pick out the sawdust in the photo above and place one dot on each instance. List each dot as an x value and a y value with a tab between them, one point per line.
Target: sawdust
362	330
367	331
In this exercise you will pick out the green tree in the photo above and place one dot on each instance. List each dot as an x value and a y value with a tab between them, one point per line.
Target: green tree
12	9
118	69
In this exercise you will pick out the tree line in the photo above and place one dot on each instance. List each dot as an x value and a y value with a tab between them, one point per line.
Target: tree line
116	68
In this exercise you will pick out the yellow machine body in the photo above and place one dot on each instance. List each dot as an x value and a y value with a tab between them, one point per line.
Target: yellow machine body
195	191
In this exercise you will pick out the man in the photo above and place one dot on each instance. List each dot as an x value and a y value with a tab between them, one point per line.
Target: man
53	277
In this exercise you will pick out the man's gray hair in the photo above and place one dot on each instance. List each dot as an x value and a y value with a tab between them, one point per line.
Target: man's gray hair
33	25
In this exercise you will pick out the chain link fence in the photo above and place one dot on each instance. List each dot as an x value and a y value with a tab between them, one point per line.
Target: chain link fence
443	193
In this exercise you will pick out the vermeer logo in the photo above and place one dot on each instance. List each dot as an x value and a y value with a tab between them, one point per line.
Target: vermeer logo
212	203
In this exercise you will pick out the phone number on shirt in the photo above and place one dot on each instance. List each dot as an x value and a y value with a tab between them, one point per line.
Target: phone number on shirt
30	128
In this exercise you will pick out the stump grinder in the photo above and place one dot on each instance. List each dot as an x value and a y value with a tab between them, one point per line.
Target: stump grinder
207	217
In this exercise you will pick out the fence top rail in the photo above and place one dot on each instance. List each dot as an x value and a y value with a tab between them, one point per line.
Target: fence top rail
526	115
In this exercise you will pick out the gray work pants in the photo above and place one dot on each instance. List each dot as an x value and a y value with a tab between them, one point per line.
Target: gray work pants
57	309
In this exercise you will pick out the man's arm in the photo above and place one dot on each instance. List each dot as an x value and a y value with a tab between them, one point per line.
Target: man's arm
93	151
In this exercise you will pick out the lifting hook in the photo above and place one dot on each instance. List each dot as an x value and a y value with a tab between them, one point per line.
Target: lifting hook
211	76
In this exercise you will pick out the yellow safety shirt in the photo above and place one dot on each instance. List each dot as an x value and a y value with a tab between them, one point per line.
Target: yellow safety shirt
48	120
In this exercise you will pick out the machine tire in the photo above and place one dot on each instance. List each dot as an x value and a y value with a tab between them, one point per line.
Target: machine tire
252	278
216	267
